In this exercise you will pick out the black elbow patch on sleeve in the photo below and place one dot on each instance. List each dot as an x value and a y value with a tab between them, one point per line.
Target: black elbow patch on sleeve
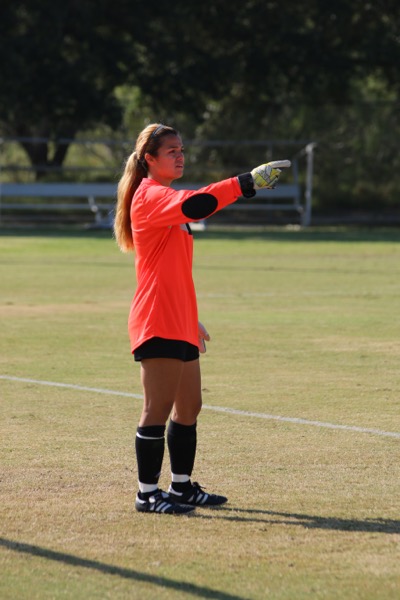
199	206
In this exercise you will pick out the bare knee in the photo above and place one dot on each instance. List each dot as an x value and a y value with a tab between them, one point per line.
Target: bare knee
155	412
186	413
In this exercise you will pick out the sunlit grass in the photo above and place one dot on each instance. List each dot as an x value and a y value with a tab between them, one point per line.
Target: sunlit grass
303	325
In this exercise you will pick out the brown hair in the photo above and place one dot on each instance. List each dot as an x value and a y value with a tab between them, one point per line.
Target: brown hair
149	140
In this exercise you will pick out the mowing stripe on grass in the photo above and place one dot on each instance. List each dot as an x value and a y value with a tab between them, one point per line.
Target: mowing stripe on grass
230	411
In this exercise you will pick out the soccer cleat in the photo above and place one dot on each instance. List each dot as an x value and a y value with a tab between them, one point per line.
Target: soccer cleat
160	502
196	497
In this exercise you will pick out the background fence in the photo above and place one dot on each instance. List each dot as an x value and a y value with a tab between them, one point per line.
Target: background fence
82	188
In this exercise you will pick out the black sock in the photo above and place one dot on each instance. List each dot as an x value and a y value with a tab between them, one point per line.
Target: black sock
149	444
182	440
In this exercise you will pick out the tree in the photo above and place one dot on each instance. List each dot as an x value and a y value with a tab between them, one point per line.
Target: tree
306	52
217	64
60	65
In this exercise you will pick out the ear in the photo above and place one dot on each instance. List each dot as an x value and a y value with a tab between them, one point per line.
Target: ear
149	158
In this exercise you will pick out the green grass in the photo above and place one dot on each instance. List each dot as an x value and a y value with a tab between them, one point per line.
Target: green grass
304	324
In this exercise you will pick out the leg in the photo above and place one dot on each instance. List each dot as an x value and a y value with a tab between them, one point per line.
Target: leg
187	401
182	440
182	435
160	379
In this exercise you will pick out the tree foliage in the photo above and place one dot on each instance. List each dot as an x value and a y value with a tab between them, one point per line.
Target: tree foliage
232	70
59	68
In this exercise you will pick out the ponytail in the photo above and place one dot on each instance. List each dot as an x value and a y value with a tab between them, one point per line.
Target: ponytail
127	186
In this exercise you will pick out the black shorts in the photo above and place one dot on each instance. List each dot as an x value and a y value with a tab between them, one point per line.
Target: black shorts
157	347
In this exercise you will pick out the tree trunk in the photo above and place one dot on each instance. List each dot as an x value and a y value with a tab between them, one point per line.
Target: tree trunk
38	153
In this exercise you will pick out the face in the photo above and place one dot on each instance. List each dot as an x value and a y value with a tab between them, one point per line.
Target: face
169	162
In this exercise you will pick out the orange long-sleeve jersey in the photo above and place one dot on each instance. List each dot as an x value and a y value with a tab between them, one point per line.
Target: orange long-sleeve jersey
164	304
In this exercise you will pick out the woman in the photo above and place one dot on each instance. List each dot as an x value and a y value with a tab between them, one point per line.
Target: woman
153	219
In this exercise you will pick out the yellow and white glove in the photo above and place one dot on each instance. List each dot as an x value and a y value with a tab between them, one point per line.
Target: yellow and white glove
267	175
203	337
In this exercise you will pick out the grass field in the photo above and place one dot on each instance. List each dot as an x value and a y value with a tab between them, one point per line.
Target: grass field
305	326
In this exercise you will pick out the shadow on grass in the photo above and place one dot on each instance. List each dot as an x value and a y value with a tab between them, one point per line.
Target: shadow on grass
310	521
76	561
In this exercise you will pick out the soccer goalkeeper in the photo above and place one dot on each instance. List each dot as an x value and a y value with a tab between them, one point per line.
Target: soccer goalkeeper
166	337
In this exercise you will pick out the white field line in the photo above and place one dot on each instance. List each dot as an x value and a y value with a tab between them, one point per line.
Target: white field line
230	411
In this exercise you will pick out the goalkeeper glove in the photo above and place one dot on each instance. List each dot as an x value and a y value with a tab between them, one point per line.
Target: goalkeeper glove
264	176
267	175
